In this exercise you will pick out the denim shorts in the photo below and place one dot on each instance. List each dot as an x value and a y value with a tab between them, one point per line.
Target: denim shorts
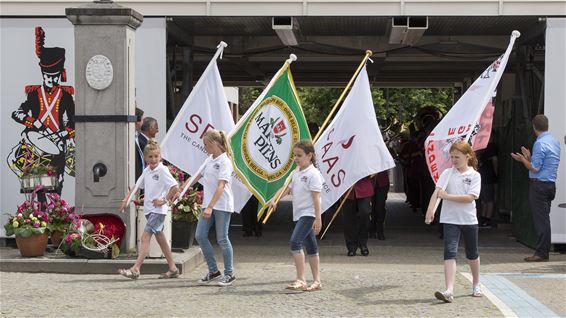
303	236
452	233
155	223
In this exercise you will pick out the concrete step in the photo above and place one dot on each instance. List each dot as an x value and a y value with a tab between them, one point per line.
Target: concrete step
11	261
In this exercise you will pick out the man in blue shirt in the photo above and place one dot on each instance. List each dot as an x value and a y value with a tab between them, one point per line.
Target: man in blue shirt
543	167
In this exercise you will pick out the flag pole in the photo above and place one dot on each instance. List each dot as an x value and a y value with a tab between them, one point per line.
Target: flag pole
369	53
219	52
514	35
337	212
192	179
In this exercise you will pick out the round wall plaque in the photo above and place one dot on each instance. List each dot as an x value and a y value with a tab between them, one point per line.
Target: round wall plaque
99	72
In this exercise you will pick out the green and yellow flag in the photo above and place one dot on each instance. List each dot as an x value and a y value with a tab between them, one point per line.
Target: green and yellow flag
262	141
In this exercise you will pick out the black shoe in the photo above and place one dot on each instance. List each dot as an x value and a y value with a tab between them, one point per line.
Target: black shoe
373	235
209	277
364	251
227	280
351	252
380	236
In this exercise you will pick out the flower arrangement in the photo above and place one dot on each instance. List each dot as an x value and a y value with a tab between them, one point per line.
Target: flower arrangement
89	241
177	173
37	169
29	220
61	216
188	207
71	244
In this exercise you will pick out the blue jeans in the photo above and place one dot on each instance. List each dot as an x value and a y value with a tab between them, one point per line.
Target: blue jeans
221	220
452	233
303	234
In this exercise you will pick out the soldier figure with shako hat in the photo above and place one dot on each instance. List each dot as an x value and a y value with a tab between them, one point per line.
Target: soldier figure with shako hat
48	112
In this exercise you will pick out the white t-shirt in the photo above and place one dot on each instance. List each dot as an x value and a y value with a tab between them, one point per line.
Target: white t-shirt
302	184
468	182
219	168
156	183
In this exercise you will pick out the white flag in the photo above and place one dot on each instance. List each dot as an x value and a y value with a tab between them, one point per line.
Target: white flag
468	118
205	108
352	147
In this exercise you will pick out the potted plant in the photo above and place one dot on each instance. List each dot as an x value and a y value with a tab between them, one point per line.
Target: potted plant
61	217
185	217
29	225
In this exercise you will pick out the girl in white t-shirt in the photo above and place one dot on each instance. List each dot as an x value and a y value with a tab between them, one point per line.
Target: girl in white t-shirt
159	188
218	206
305	186
458	215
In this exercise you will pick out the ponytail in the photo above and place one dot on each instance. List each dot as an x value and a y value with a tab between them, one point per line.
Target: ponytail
224	142
218	137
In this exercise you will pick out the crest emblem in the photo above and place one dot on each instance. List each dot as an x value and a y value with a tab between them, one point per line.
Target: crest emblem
268	138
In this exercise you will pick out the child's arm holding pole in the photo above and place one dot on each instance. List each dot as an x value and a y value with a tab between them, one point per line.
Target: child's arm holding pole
281	193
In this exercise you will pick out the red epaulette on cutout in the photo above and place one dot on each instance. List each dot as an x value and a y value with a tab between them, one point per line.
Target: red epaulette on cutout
32	88
68	89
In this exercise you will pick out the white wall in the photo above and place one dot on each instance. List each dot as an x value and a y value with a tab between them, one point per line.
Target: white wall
555	110
19	66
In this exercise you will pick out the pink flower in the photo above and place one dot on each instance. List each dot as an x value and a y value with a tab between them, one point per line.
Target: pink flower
36	225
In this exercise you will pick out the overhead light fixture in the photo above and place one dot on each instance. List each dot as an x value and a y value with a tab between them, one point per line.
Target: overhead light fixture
407	30
285	27
415	30
398	29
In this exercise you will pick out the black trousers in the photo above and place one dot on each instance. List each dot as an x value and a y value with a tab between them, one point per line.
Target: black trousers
378	209
356	221
250	224
541	195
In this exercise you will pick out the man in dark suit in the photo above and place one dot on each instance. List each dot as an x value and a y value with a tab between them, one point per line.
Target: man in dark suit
139	151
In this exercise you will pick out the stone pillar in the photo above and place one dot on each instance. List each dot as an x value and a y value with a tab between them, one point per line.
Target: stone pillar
104	108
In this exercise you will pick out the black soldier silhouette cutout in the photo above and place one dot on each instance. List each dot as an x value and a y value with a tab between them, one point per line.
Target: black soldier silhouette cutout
47	117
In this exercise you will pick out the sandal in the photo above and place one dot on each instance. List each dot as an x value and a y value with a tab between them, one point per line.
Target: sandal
129	273
297	285
313	287
170	274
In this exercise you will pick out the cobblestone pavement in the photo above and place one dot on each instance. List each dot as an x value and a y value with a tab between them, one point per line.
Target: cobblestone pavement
397	279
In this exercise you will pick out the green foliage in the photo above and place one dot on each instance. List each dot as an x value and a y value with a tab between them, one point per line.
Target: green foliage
395	108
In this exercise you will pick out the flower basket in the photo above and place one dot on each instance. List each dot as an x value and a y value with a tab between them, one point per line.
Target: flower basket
33	245
90	254
49	182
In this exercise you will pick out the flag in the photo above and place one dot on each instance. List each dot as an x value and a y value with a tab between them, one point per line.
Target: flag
351	147
206	108
469	119
262	142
